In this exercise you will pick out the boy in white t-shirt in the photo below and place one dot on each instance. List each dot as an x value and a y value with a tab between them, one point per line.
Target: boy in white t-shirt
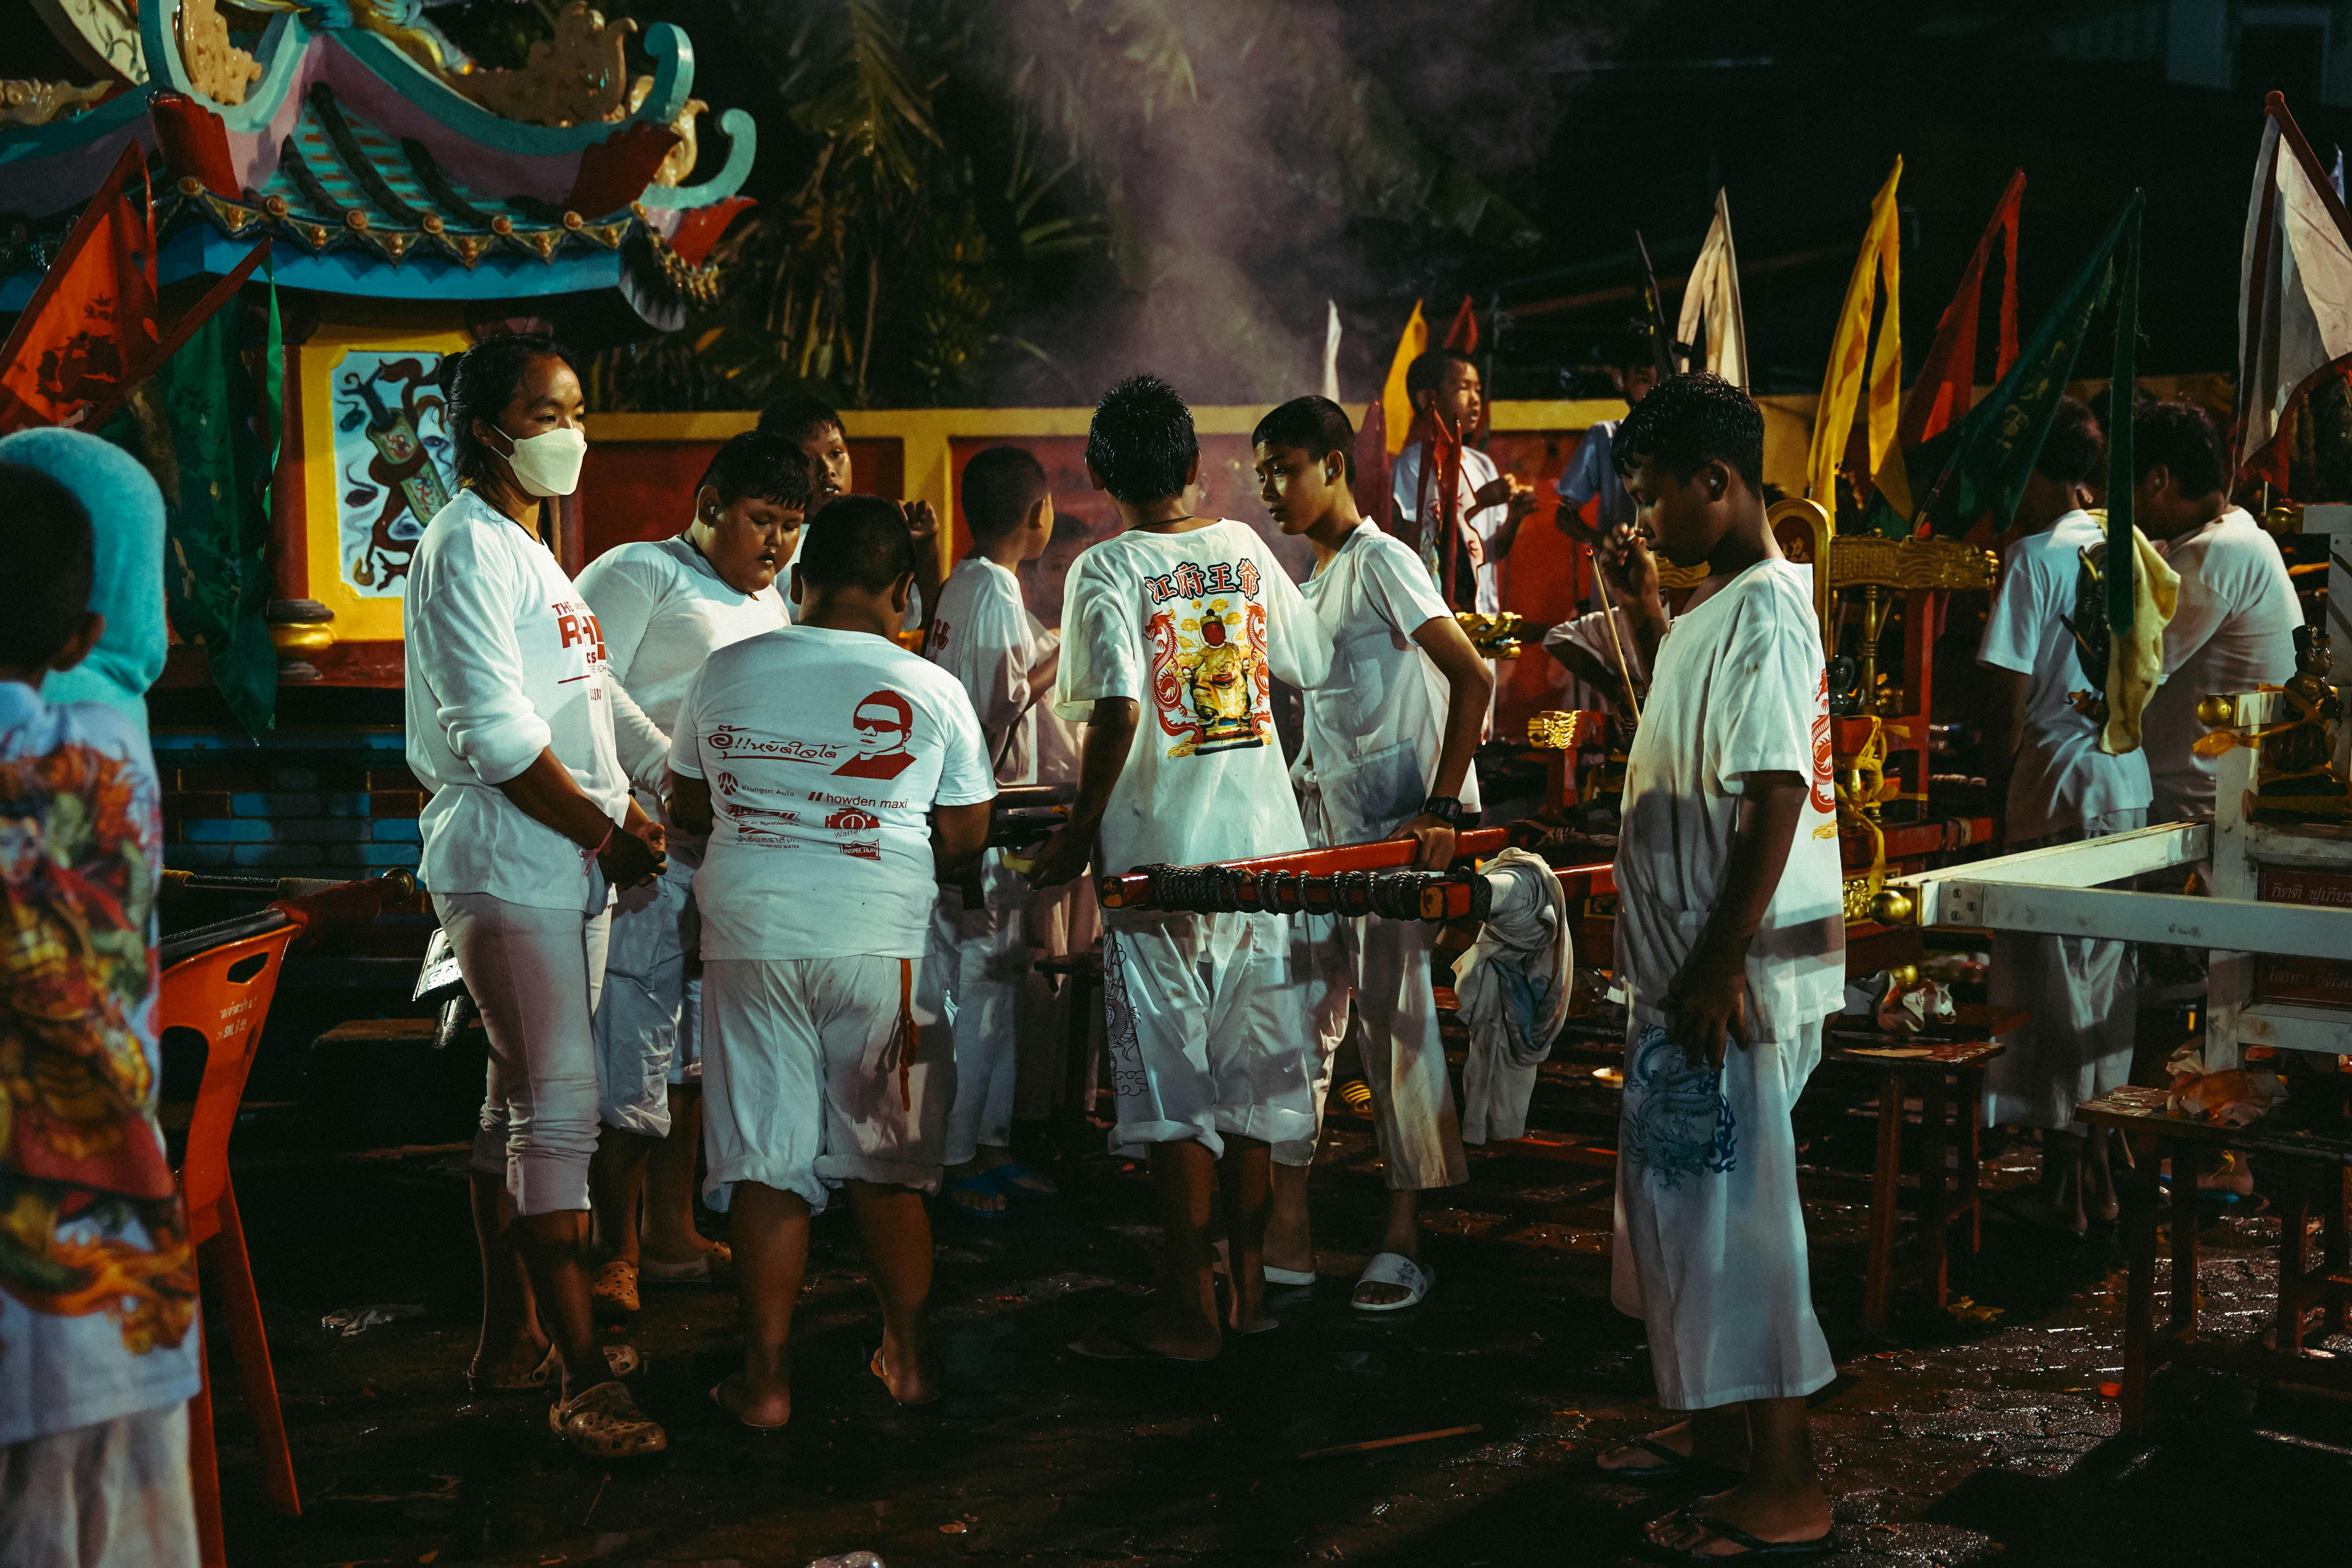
664	605
2060	788
839	777
823	439
1387	755
983	636
1730	932
1172	634
2233	628
1056	922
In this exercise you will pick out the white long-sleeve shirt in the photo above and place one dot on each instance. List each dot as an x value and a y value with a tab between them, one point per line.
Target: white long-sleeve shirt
664	611
505	661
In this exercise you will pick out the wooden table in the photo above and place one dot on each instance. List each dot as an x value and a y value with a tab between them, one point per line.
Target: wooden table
2304	1166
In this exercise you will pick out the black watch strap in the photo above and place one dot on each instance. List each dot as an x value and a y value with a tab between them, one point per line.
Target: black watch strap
1445	807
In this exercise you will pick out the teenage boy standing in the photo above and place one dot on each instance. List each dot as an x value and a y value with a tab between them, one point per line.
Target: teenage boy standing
1730	934
1172	633
983	636
1388	743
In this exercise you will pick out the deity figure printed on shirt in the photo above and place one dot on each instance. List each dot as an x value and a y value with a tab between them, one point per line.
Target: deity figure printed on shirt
1210	684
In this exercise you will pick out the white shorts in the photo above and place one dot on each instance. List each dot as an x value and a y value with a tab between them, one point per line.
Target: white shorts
1710	1243
1382	966
114	1492
801	1083
648	1020
1207	1023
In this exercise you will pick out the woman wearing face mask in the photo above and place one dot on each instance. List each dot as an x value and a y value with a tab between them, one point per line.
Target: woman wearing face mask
529	829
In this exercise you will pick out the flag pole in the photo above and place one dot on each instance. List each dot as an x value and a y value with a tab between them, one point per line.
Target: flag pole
219	294
2122	558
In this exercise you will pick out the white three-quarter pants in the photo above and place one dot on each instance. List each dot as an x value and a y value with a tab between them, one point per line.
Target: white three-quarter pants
648	1026
817	1071
534	972
1382	966
1207	1021
987	957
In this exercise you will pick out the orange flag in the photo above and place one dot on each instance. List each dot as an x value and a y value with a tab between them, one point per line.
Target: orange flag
91	329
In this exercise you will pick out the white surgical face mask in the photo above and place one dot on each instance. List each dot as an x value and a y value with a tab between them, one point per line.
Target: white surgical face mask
547	465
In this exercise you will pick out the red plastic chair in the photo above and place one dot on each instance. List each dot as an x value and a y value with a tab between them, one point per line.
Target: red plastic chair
218	982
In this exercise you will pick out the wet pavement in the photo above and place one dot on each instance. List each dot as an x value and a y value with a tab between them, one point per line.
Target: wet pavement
1967	1438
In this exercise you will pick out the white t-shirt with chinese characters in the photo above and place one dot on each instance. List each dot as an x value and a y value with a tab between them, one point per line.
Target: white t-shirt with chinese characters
1740	688
824	752
1192	627
98	1308
505	661
1375	730
2061	778
2232	631
981	637
664	611
1479	526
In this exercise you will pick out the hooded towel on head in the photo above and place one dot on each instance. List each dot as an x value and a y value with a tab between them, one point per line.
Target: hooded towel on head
126	519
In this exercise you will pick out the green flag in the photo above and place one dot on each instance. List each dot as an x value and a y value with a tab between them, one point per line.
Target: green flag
1978	467
216	527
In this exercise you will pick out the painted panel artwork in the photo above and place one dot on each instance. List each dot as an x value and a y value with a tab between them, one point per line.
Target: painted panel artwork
393	465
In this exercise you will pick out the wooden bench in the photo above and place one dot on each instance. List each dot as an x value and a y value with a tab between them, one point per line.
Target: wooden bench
2303	1166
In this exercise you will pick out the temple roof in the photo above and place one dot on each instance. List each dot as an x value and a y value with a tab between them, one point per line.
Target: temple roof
377	176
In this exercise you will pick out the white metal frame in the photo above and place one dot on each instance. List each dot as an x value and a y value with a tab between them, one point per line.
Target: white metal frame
2062	891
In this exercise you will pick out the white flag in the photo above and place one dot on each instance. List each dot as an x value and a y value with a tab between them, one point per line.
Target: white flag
2295	312
1711	301
1331	354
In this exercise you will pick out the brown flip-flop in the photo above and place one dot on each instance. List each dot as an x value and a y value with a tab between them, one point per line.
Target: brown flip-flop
874	1365
718	1398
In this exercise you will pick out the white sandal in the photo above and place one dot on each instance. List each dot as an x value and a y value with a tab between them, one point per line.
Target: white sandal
1394	1268
605	1423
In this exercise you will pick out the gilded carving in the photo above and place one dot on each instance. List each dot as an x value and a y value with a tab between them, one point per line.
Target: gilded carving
218	68
39	102
577	77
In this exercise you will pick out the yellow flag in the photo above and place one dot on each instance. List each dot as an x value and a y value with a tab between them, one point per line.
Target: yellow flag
1396	408
1878	269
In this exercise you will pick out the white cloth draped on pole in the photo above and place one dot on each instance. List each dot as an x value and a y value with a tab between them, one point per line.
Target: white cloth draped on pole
1513	987
1711	301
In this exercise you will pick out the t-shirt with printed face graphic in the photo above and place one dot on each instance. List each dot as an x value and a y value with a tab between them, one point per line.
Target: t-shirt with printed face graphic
1192	627
883	722
821	844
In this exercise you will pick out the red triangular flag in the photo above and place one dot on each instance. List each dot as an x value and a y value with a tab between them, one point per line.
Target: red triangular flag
1947	376
91	329
1463	336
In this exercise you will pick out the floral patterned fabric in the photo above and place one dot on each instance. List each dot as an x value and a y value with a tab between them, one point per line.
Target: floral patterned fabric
97	1286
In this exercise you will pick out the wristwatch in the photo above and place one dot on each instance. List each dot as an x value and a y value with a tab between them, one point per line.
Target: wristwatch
1444	807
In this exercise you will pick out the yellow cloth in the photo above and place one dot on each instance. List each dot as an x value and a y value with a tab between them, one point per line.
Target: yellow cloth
2136	663
1879	265
1396	403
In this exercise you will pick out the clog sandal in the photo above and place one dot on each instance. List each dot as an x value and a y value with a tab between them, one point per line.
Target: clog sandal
605	1423
614	1288
1394	1268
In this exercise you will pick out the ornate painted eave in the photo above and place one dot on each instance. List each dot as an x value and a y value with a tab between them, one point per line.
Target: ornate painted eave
379	178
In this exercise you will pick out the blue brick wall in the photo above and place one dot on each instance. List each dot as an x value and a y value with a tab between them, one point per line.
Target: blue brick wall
321	802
